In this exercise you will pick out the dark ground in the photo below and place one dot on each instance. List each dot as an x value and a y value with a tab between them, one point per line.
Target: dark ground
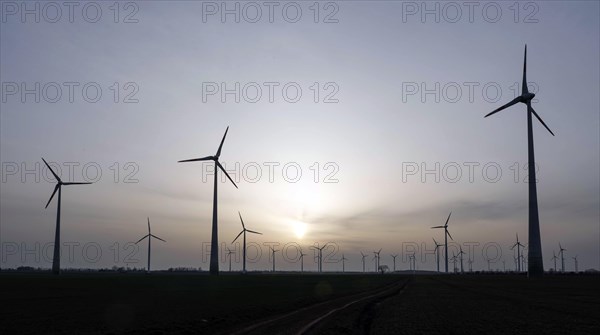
193	303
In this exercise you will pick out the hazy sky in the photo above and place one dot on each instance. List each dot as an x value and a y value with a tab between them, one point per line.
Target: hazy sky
398	92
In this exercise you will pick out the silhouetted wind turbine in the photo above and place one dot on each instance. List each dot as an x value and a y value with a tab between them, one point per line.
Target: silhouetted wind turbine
437	253
554	258
562	257
461	253
446	234
273	251
363	260
394	257
214	246
149	236
576	264
244	231
58	187
518	245
536	263
454	257
376	258
470	261
302	260
344	259
320	256
411	260
229	253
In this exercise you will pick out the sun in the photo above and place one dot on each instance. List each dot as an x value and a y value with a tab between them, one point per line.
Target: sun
299	228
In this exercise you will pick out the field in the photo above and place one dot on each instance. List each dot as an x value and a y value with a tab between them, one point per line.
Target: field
292	303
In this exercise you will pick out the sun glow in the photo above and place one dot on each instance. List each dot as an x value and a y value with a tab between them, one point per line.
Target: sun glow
299	228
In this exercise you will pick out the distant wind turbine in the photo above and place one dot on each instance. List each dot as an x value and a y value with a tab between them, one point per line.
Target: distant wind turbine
536	262
576	264
149	236
363	260
461	253
470	261
437	254
244	231
58	187
376	258
446	235
214	246
454	258
229	253
554	258
562	257
273	251
344	259
320	256
518	245
394	257
302	260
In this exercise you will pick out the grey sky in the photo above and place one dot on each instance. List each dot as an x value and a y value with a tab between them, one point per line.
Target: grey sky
372	135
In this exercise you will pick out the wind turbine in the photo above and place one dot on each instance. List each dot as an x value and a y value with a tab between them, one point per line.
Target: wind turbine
461	253
562	257
437	253
229	253
376	258
411	260
320	256
302	260
244	231
344	259
363	260
518	245
535	261
58	187
149	236
273	251
446	234
394	257
470	261
214	246
454	262
554	258
576	264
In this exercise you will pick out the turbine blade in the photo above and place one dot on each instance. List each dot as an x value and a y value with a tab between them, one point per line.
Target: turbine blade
76	183
158	238
207	158
52	196
447	232
221	145
253	232
149	232
237	236
514	101
49	168
437	227
524	89
241	220
142	239
539	118
448	219
225	172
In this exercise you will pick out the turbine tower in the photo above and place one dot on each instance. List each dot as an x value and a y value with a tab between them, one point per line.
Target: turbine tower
576	264
518	245
149	236
562	257
58	187
344	259
394	257
446	234
376	258
214	241
244	231
320	256
437	253
535	260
